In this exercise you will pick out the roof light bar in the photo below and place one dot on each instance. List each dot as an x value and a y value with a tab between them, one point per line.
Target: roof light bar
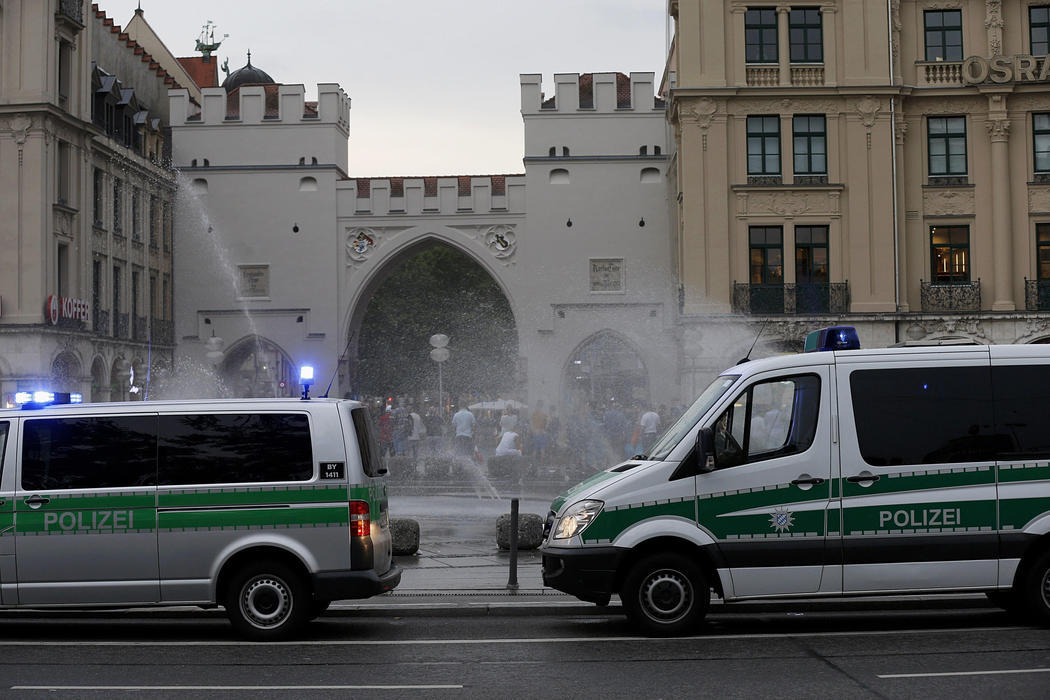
833	338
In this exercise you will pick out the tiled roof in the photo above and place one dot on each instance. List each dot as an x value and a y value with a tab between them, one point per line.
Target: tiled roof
430	184
204	71
134	46
623	92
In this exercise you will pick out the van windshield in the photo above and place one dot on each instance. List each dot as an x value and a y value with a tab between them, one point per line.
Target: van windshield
714	391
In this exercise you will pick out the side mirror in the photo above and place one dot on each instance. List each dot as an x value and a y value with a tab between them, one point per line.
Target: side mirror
705	450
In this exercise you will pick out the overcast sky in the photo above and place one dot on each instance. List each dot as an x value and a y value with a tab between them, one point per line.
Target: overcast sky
433	83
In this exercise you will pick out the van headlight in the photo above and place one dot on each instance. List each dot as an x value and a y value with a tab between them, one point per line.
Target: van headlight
577	518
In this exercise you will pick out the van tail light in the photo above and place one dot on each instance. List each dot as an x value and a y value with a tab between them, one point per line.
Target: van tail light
360	522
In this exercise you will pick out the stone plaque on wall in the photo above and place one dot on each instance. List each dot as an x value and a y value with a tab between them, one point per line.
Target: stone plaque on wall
607	275
254	280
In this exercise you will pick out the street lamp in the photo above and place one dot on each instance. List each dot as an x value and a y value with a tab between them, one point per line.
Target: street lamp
439	354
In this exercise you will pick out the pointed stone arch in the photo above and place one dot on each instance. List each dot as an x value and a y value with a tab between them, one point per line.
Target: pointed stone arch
66	371
605	366
385	256
99	380
257	367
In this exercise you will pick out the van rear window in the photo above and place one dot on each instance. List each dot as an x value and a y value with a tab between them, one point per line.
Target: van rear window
214	448
366	440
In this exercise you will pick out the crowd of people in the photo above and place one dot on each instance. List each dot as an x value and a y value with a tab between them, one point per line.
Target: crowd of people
592	437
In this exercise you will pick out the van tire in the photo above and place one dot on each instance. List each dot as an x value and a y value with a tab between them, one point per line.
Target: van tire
1036	589
665	595
267	601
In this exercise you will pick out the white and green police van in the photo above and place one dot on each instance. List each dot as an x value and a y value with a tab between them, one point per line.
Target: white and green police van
271	508
840	473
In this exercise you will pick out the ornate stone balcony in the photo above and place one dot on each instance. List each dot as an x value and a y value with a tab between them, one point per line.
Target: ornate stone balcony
794	299
947	298
810	75
939	73
763	76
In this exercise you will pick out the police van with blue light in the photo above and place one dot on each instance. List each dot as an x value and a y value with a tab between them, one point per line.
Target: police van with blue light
839	471
272	508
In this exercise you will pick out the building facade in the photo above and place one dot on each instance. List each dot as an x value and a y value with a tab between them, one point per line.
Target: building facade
878	164
578	243
86	274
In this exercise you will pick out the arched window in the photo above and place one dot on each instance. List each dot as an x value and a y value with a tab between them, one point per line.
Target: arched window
644	150
99	388
559	176
199	186
308	184
650	175
554	151
65	373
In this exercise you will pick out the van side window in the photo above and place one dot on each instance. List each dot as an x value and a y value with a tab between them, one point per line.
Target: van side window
924	415
366	440
219	448
89	453
770	419
1022	410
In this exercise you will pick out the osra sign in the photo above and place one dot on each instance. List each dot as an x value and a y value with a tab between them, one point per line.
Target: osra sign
1005	69
66	307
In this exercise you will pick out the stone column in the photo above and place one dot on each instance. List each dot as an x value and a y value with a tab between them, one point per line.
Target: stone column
784	44
737	44
831	57
1002	230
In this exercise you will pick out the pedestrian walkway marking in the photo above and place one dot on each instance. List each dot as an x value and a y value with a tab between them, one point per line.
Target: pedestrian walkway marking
965	673
523	640
235	687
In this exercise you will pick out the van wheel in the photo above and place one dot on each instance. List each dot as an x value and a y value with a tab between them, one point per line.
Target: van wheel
1036	589
267	601
665	595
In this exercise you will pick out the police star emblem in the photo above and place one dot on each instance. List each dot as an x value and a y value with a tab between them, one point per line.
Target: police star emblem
781	520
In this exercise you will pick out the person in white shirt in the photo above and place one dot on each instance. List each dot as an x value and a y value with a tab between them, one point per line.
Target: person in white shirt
464	421
418	432
650	427
509	445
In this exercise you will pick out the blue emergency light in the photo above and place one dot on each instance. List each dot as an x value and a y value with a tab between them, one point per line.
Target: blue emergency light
833	338
306	378
39	399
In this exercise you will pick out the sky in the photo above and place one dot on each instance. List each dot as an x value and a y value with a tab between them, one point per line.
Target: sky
433	84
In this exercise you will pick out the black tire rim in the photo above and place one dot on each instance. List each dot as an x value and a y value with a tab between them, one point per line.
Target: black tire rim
1044	587
266	602
666	596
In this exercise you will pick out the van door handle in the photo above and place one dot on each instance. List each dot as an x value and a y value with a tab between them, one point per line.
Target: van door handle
863	478
37	501
812	481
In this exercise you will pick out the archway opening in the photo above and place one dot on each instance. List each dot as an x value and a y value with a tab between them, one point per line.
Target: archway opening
606	370
255	367
437	289
65	373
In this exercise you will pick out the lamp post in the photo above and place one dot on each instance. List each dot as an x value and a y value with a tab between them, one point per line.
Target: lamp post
439	354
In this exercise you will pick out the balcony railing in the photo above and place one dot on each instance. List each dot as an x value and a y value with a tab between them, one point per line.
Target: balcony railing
1036	295
139	329
163	332
72	10
763	75
807	75
797	299
940	73
964	296
121	329
100	320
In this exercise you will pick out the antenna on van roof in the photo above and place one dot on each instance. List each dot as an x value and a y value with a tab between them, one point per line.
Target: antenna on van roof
747	357
337	361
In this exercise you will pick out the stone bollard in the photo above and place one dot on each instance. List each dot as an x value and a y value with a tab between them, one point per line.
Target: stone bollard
404	535
530	531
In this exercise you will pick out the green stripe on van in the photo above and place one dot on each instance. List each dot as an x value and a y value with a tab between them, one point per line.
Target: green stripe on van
110	501
251	518
229	496
922	480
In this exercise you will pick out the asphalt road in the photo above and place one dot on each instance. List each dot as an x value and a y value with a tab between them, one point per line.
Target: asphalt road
576	652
